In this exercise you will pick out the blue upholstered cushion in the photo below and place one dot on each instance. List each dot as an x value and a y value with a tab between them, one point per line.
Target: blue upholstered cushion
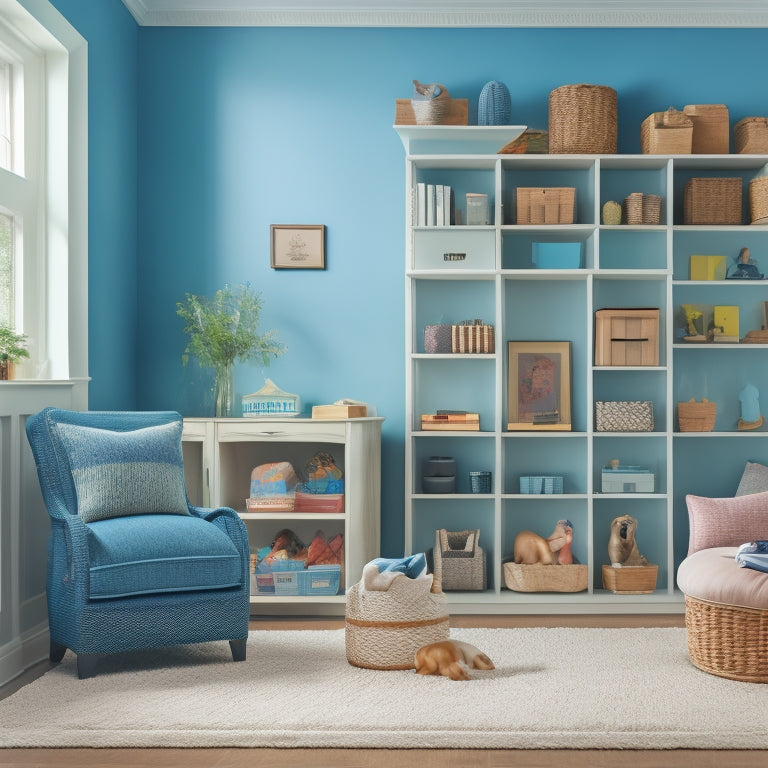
126	473
159	553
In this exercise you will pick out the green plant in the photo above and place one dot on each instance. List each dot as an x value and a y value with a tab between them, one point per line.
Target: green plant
224	329
12	348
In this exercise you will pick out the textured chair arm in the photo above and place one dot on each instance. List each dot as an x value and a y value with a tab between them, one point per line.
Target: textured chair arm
229	521
69	533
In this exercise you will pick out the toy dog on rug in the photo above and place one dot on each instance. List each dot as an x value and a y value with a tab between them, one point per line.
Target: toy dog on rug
448	658
530	548
622	547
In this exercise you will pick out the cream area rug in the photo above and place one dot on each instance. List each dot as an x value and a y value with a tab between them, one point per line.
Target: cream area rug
552	688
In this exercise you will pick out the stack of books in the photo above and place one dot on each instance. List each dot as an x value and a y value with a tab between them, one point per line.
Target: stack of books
450	421
433	206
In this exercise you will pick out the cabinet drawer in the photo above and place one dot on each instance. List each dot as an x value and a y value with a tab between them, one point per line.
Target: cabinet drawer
454	249
313	432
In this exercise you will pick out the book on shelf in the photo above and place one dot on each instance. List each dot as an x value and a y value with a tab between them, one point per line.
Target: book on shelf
439	205
431	205
421	204
459	421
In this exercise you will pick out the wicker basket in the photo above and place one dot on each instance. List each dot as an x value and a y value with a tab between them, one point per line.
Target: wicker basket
459	561
624	416
630	579
432	111
546	205
546	578
383	630
651	209
666	133
728	640
633	208
750	136
583	119
712	201
758	200
710	128
696	417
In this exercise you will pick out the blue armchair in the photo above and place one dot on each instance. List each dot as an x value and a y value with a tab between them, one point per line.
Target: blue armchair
131	563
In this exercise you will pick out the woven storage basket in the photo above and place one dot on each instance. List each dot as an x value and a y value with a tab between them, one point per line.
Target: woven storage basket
383	630
666	133
459	561
630	580
651	209
546	578
624	416
710	128
633	208
546	205
750	136
728	640
583	119
432	111
758	200
696	417
712	201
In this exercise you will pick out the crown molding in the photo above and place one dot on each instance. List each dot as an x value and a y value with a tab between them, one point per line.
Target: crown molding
450	13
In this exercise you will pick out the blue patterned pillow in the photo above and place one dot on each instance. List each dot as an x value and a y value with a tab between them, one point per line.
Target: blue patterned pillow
126	473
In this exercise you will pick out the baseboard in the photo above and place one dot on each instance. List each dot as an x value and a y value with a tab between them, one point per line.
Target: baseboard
23	652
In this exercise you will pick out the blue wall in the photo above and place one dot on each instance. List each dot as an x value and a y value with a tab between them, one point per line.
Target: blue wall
112	36
242	128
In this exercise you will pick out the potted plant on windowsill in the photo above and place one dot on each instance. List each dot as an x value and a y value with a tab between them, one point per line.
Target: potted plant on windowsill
12	350
223	330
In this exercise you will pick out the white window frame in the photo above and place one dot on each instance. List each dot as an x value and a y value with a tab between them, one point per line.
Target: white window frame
52	309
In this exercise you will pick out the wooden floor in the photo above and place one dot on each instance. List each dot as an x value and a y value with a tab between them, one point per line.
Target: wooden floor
400	758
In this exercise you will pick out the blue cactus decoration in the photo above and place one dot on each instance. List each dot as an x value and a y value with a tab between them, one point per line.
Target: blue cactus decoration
494	106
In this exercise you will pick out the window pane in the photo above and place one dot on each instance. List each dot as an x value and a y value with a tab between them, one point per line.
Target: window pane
6	270
5	116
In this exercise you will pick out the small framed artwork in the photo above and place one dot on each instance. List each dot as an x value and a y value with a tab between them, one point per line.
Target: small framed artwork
539	385
297	246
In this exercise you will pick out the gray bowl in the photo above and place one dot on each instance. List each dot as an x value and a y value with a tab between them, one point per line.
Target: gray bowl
439	484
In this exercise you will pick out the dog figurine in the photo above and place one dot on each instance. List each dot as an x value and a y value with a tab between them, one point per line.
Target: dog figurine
622	547
530	548
446	658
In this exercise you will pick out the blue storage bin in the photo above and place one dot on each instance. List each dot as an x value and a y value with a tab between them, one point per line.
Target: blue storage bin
536	484
556	255
316	580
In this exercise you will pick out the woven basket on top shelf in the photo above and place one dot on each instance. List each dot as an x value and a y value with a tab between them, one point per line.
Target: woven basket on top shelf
712	201
696	416
710	128
758	200
750	136
666	133
432	111
583	119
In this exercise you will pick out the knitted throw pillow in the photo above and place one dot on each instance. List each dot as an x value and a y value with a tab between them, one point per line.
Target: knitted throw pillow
726	522
126	473
754	479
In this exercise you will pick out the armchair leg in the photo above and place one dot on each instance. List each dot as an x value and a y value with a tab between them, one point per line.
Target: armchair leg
238	648
86	665
57	651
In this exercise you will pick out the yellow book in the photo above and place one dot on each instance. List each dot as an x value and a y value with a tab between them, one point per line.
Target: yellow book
708	267
727	318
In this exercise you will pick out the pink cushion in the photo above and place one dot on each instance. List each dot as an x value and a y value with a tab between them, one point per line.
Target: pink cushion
715	576
728	522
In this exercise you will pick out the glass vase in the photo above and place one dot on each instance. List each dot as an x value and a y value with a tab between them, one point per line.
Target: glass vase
224	390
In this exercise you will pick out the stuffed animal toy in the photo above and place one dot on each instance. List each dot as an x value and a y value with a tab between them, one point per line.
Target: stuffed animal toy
530	548
449	658
622	547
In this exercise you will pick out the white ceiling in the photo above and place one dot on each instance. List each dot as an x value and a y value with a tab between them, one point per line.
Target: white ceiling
443	13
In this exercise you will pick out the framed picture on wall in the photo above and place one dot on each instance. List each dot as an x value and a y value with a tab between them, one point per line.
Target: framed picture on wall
297	246
539	385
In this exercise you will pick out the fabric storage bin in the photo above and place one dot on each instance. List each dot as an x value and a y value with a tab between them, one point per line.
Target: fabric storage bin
583	118
712	201
316	580
437	339
666	133
459	561
624	416
384	629
710	128
546	205
750	136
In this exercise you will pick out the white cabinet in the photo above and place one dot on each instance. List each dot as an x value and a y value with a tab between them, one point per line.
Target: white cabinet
622	266
219	455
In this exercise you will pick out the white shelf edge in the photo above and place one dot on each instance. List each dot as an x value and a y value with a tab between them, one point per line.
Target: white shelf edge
710	345
746	433
287	515
470	139
629	367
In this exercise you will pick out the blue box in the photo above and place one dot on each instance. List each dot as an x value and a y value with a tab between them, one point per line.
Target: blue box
556	255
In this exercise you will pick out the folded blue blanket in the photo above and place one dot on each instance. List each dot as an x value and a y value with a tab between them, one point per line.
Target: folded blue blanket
753	554
412	566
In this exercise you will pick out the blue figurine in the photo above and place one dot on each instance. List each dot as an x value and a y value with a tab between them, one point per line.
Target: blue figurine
746	268
750	408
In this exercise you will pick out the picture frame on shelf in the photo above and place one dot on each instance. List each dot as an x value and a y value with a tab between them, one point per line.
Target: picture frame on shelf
539	385
297	246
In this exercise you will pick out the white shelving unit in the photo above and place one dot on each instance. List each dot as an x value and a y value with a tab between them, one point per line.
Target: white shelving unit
623	266
219	455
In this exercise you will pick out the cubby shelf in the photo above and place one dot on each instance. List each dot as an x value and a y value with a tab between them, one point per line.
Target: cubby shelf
622	266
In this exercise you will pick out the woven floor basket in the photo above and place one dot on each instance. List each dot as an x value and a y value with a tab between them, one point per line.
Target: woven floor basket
383	630
758	200
583	119
727	640
750	136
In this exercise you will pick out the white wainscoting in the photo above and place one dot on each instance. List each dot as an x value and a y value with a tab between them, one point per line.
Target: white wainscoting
24	522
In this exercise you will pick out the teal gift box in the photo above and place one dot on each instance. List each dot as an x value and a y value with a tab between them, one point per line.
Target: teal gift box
556	255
